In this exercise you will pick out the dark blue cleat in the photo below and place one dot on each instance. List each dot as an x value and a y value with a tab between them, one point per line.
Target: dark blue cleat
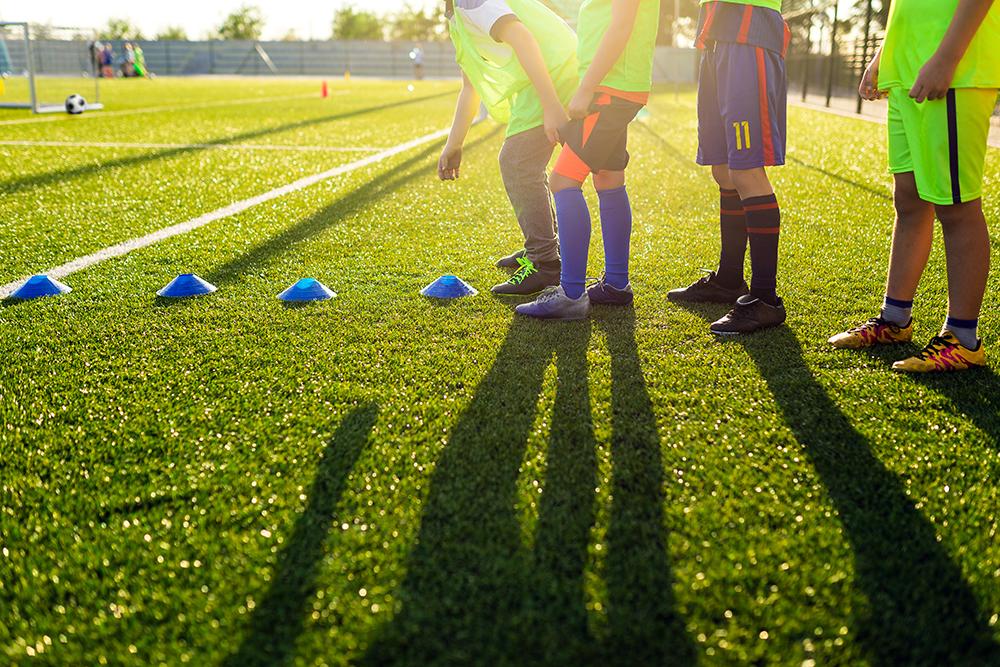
601	293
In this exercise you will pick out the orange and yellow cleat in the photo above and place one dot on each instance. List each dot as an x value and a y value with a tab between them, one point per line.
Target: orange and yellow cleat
944	353
875	331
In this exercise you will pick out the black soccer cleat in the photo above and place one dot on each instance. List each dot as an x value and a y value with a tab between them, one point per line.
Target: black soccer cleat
708	289
749	315
603	294
512	261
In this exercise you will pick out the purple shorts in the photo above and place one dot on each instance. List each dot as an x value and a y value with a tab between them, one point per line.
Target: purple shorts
742	94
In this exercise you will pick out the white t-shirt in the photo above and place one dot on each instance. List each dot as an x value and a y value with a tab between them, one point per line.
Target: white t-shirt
480	16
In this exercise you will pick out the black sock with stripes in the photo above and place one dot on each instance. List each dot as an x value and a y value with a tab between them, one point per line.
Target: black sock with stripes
763	227
733	224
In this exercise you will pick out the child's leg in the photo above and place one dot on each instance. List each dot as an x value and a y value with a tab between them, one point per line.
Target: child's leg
616	225
912	236
763	221
967	248
573	219
523	161
733	228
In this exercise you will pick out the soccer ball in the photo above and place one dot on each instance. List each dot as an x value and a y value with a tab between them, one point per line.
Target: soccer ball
75	105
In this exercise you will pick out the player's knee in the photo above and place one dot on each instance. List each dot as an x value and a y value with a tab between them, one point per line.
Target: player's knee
751	182
951	215
558	182
609	180
720	172
907	201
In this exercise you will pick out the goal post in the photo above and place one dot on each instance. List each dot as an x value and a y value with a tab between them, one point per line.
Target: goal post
38	72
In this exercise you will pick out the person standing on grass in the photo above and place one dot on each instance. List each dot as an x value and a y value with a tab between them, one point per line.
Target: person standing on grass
742	91
519	58
940	67
617	40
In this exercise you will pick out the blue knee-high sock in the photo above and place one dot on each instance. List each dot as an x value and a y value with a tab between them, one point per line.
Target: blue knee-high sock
616	229
573	218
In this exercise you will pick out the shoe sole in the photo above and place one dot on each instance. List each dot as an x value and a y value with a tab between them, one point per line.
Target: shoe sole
745	333
611	303
681	299
517	294
555	319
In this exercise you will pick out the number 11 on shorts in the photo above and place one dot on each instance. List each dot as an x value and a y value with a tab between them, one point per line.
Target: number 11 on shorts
742	138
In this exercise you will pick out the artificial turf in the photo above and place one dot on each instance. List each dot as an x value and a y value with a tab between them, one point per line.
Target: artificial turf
382	479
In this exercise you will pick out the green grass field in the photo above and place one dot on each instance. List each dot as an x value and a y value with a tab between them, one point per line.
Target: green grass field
380	479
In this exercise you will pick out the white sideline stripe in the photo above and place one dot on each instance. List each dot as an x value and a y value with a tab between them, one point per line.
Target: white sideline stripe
174	107
225	147
238	207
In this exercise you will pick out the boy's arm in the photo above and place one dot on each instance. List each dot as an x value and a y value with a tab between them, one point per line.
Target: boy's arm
623	13
868	88
465	114
514	33
936	75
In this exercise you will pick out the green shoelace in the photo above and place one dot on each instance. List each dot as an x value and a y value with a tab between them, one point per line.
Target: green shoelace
527	268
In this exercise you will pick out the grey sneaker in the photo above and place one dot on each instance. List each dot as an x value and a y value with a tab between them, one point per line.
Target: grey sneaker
553	304
513	260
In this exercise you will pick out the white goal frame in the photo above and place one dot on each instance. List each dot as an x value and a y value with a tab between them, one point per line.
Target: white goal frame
36	105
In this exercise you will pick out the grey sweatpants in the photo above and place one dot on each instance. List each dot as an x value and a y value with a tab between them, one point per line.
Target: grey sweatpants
524	158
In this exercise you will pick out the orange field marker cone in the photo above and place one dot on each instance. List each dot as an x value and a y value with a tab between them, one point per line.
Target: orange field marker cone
324	91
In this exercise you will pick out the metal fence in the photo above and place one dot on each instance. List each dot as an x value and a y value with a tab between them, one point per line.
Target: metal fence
826	60
327	58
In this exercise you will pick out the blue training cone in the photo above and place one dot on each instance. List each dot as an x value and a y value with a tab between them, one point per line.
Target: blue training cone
448	287
186	284
39	286
307	289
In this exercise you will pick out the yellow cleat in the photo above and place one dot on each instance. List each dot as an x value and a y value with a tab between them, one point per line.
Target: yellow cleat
875	331
943	353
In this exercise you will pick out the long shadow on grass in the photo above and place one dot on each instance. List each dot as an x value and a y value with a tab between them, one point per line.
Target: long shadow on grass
279	618
976	394
363	197
60	175
474	592
881	194
920	609
645	624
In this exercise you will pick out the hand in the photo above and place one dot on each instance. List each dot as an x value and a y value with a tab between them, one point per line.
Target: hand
449	162
554	119
868	88
579	106
934	80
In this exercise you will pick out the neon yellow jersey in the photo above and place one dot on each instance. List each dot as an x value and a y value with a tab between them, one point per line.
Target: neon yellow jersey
914	32
496	73
769	4
634	70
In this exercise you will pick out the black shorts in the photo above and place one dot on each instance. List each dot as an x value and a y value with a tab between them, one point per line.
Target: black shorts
598	142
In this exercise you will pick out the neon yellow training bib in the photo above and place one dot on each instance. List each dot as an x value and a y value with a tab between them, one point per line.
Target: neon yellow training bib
914	33
634	70
497	75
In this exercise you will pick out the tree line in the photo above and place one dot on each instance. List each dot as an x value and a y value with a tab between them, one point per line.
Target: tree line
247	23
427	25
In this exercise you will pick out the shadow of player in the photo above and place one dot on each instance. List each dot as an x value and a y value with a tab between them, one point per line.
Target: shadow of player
920	609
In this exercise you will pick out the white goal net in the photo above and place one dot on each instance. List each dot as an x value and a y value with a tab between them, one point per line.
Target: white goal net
40	66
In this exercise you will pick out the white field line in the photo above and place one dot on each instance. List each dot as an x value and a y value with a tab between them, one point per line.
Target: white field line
225	147
160	109
126	247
